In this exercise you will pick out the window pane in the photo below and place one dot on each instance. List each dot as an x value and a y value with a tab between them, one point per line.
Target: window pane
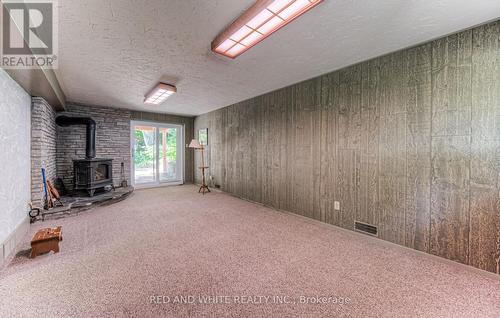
145	154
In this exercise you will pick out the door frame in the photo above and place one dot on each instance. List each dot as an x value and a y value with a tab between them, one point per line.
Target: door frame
180	154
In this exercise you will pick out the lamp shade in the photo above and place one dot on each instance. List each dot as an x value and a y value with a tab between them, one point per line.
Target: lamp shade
195	144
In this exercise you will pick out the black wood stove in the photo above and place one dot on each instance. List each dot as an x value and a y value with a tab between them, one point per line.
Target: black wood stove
92	174
89	174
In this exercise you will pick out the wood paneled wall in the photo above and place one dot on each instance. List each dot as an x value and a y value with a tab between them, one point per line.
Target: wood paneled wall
409	142
187	122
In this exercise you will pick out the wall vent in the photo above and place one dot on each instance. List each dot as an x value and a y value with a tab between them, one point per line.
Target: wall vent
365	228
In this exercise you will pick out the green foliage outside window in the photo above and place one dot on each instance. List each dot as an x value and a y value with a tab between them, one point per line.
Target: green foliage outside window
144	154
145	148
171	145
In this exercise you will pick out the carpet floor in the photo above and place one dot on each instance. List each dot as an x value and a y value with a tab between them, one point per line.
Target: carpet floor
171	252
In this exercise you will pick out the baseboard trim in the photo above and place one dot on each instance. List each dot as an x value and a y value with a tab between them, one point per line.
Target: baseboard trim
8	247
371	238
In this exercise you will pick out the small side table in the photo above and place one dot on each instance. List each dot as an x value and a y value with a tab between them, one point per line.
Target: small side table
46	240
203	188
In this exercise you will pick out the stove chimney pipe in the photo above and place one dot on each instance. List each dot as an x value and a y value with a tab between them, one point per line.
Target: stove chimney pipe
65	121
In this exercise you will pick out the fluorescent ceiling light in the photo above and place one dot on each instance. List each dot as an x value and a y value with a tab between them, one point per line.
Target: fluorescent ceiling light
261	20
159	94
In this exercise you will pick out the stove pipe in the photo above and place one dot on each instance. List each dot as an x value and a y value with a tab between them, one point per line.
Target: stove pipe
65	121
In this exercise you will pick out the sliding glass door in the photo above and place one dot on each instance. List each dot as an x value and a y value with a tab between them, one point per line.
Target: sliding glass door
157	154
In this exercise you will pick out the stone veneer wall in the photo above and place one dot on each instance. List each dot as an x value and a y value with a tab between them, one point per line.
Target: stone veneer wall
112	140
43	147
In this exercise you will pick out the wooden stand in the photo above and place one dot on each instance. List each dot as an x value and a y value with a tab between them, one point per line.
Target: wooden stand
195	144
46	240
203	188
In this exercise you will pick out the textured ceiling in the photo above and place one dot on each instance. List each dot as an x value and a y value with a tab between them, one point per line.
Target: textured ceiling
111	52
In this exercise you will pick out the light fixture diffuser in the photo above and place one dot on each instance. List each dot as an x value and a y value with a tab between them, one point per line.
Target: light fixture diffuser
159	94
261	20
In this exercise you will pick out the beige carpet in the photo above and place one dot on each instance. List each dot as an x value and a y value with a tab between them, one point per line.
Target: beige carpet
228	257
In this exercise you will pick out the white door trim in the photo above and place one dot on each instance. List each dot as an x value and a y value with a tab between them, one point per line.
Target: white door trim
180	151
